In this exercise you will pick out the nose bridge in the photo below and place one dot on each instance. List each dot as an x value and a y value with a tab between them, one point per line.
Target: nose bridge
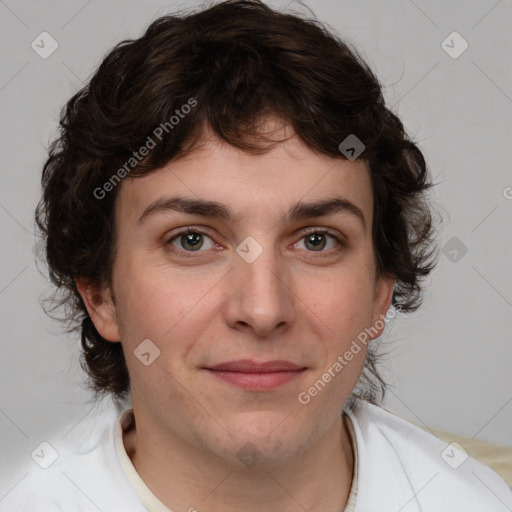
260	296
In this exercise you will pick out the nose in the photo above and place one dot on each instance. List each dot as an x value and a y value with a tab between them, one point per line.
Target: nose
260	296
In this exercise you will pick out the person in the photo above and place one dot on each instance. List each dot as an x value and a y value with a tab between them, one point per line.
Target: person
232	215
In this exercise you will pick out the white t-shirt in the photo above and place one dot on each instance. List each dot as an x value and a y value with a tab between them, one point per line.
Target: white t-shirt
399	468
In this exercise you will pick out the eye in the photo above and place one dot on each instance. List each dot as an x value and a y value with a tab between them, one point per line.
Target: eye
191	240
317	240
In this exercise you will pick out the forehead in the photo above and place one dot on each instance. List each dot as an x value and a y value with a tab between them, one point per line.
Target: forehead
251	187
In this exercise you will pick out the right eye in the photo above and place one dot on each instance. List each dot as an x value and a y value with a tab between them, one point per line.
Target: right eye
189	240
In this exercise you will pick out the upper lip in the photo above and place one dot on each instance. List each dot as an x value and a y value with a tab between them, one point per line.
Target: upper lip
249	366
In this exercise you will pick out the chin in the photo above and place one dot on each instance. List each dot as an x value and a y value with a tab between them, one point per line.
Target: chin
259	453
264	440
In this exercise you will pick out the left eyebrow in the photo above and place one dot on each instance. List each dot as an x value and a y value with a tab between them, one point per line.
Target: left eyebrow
325	207
213	209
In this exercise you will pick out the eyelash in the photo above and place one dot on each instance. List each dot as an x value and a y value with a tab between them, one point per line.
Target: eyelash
342	243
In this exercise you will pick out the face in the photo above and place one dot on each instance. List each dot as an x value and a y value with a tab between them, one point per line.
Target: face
245	310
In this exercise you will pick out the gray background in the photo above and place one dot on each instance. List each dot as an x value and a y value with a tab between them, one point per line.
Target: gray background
450	363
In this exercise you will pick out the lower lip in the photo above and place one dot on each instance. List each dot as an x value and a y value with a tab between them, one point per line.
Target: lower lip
257	381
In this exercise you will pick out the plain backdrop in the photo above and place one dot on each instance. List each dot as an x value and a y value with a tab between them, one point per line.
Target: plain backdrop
449	364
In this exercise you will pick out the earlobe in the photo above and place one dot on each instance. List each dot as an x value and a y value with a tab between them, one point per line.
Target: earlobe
101	308
383	296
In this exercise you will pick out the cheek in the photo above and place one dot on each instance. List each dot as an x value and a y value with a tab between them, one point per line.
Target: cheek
172	309
156	299
343	300
344	305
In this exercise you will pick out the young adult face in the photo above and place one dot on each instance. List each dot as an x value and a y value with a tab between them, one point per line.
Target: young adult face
212	299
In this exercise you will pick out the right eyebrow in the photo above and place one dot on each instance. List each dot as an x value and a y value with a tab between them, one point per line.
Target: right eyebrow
188	205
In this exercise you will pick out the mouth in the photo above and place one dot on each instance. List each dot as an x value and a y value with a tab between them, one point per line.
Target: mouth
257	376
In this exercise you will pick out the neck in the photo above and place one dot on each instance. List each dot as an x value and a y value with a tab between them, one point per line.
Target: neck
185	478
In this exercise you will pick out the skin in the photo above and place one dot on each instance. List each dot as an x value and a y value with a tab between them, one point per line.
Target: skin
293	303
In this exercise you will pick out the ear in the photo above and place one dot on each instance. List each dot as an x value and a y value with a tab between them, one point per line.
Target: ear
384	287
101	308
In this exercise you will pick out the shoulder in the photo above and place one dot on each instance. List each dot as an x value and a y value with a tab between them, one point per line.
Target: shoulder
408	468
78	472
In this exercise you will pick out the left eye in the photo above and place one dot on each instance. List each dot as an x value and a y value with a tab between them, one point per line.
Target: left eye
316	241
191	241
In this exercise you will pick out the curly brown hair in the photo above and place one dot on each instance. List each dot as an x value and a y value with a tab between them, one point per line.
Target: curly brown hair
239	61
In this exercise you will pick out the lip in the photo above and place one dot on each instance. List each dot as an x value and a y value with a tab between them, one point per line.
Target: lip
258	376
250	366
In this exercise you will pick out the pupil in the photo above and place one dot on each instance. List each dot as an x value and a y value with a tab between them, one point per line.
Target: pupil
193	240
316	240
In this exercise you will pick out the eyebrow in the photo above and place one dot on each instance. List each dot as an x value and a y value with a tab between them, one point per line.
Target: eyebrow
213	209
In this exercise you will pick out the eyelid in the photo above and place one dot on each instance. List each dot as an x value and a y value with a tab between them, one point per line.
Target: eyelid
188	229
327	231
